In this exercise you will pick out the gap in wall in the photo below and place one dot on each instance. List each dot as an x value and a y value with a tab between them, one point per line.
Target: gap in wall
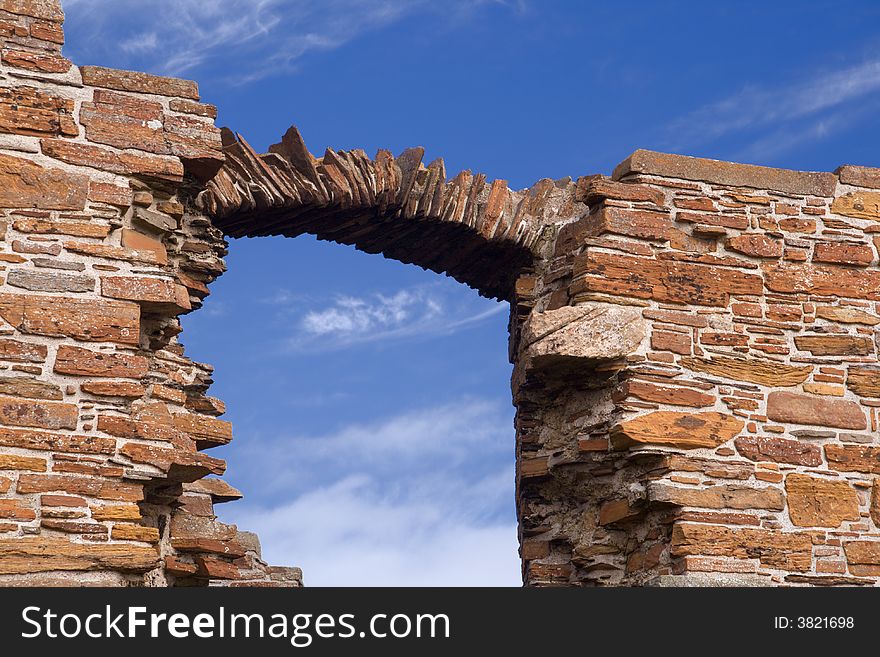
371	408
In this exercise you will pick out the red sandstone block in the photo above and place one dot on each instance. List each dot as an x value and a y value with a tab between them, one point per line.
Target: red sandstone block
106	78
727	173
77	361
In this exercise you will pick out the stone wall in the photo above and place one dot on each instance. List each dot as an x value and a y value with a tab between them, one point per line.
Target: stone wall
104	419
695	357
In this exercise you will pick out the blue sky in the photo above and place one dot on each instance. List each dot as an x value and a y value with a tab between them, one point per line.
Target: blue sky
370	399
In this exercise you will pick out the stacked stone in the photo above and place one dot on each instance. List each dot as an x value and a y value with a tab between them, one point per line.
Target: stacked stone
102	418
698	383
399	207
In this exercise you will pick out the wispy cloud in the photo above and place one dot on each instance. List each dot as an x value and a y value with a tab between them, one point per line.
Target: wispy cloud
252	38
416	313
421	498
771	120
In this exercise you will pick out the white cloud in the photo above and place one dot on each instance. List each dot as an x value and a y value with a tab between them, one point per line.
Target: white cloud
252	38
351	534
422	498
421	312
784	115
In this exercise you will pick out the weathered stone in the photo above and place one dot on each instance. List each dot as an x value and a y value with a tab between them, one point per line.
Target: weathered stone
49	10
594	189
142	243
835	345
863	557
843	253
131	81
43	63
77	361
114	389
76	228
717	497
822	411
21	352
218	489
666	281
37	413
161	167
853	458
31	388
24	184
155	293
14	462
779	450
103	489
727	173
30	111
847	315
757	245
775	549
864	381
859	176
49	282
682	430
754	370
861	204
38	554
589	331
38	440
823	280
662	394
82	319
128	532
179	465
814	502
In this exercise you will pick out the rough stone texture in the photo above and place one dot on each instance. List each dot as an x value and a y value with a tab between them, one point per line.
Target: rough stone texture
103	419
694	342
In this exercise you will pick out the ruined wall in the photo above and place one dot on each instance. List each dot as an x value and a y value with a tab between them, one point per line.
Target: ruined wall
103	419
694	342
697	383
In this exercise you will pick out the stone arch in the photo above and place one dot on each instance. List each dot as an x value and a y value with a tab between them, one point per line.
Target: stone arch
482	234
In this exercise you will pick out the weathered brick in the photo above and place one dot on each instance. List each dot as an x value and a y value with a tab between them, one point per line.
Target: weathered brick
662	394
103	489
140	164
114	389
14	462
